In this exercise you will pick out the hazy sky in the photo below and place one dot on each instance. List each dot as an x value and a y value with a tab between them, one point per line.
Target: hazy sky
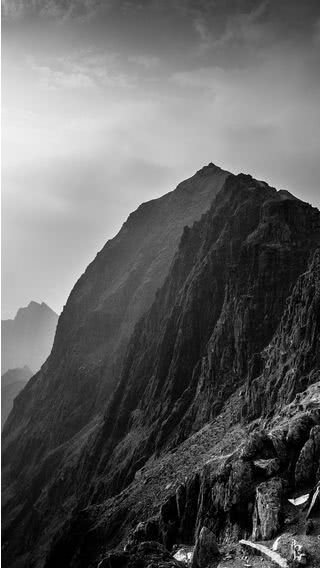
110	103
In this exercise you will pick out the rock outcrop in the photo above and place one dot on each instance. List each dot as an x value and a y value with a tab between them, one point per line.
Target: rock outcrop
291	361
308	465
268	512
206	552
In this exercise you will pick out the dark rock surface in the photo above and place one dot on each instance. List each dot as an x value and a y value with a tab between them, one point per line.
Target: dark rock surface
220	375
308	463
268	513
291	361
206	551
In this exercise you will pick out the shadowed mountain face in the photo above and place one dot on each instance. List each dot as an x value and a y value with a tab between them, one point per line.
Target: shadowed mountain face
219	307
12	382
230	336
28	338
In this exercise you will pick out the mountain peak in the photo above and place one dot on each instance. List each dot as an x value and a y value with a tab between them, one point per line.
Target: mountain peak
209	169
27	339
33	304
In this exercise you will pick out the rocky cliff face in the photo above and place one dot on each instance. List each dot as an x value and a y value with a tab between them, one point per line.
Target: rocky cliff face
291	362
200	366
220	306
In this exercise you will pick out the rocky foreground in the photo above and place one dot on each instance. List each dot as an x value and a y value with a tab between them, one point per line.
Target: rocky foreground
211	430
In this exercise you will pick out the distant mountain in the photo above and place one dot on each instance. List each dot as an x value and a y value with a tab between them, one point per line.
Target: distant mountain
28	338
12	382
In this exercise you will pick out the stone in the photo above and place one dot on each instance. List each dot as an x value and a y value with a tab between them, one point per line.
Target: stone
267	467
298	554
206	552
267	516
144	531
298	550
309	458
183	554
299	430
258	445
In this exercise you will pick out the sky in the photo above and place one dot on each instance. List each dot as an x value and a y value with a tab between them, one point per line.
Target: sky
109	103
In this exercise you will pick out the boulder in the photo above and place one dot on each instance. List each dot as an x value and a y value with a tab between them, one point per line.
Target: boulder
183	553
267	516
298	550
206	552
144	531
298	553
308	461
258	446
267	468
299	430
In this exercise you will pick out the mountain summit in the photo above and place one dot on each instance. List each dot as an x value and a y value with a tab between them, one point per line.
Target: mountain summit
181	396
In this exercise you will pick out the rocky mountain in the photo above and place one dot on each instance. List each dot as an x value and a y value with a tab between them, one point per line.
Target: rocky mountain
106	302
214	419
28	338
12	382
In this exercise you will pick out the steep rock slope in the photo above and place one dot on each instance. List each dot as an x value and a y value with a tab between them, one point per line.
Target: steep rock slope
291	362
217	476
117	287
220	305
28	338
219	308
12	382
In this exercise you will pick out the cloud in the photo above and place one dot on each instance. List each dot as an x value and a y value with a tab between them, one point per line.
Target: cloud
53	80
80	70
56	9
147	61
245	24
